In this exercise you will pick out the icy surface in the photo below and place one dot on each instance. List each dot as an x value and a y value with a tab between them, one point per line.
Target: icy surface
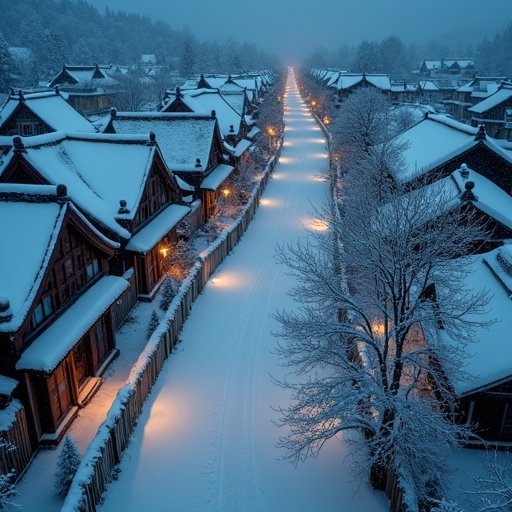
205	440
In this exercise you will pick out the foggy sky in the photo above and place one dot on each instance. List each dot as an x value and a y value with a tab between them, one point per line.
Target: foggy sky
293	29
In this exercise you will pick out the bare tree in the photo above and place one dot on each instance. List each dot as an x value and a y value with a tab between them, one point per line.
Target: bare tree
493	490
362	120
364	344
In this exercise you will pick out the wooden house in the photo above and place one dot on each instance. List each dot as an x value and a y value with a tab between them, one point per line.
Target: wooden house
438	145
121	183
29	114
349	82
192	147
484	393
55	324
495	112
90	89
471	93
232	123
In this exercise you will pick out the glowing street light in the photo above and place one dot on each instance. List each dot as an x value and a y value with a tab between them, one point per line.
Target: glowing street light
226	192
326	120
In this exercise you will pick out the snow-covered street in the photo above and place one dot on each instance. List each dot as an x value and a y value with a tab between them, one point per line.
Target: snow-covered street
206	441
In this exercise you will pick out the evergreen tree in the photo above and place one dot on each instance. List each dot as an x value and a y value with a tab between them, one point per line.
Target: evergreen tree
67	464
168	293
188	57
6	65
153	324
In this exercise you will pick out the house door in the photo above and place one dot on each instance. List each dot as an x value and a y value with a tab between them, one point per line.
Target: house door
59	394
80	361
99	344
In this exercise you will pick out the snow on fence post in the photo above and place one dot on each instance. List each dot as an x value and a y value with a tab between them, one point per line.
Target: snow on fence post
96	469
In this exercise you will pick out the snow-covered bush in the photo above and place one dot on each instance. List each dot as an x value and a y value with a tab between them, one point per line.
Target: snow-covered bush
167	294
153	324
67	464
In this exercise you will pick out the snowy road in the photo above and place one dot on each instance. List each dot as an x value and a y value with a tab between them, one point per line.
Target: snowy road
205	441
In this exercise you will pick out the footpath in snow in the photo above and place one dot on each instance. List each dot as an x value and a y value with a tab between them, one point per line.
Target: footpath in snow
205	440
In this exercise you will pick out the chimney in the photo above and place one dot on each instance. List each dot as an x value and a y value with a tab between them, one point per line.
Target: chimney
198	163
19	147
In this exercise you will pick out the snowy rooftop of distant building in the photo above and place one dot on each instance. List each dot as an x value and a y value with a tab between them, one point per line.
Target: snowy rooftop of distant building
51	108
504	93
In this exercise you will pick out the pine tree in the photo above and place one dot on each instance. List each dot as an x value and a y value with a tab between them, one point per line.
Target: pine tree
6	65
153	324
67	464
168	293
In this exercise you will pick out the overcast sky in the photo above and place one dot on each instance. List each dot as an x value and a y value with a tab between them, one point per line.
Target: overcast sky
294	28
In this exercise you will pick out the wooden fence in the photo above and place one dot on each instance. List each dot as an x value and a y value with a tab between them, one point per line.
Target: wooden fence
126	301
104	453
16	448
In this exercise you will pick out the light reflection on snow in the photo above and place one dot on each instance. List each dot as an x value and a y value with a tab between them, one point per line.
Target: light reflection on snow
313	224
229	280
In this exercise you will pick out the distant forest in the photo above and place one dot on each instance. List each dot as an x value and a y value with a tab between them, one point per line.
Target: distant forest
391	55
75	32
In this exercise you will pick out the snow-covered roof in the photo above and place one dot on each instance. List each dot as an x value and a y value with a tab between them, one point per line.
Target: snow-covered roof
28	230
463	63
7	385
182	138
209	100
145	239
236	100
50	348
99	170
428	85
504	93
217	177
430	140
348	80
253	132
437	139
241	147
490	354
51	108
489	197
432	64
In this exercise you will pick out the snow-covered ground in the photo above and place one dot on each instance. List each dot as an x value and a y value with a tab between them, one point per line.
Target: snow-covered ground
205	440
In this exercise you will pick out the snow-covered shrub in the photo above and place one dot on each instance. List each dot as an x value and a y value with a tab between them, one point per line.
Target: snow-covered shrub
181	260
67	464
153	324
8	492
168	293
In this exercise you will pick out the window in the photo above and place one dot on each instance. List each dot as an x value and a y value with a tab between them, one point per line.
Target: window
92	269
43	310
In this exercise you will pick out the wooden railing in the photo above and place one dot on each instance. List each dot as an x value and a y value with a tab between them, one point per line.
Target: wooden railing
104	453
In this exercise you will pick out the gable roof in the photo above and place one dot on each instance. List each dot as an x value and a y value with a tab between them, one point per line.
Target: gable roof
437	139
490	354
99	170
205	101
50	107
182	138
349	80
504	93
